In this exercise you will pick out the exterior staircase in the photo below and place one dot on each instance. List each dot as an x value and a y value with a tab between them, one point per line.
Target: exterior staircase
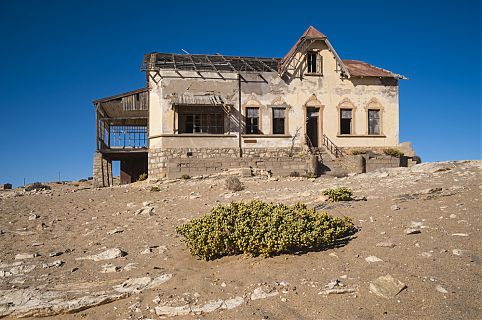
329	157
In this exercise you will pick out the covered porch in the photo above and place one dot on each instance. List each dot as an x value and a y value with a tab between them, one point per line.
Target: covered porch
121	135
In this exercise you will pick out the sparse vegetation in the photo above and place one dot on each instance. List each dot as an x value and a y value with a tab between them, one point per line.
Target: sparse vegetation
311	175
359	151
232	183
185	176
142	177
155	189
338	194
393	152
82	180
259	228
37	186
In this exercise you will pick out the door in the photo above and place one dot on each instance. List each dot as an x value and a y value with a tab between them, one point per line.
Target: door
312	118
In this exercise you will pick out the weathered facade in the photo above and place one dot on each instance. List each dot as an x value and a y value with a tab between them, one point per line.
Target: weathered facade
205	113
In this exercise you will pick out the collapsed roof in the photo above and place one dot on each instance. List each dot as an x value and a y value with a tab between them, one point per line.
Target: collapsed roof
220	63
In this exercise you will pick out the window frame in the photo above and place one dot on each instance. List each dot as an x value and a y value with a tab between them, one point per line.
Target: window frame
379	121
207	120
318	63
273	109
341	118
247	117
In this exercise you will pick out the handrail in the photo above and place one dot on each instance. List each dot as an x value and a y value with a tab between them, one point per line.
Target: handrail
330	146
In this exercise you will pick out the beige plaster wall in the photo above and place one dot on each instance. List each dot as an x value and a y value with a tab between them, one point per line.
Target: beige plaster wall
329	92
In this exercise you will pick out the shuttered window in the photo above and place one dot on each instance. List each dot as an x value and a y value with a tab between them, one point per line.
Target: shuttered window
252	120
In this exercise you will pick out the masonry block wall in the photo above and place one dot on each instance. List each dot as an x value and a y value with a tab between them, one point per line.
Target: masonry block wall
102	173
173	163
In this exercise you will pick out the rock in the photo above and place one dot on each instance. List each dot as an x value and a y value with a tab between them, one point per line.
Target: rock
54	264
416	224
131	205
412	231
23	256
33	216
109	268
453	216
116	230
245	172
386	244
259	293
55	254
394	207
426	254
146	203
457	252
130	266
210	306
371	259
440	289
148	211
106	255
337	291
460	234
386	286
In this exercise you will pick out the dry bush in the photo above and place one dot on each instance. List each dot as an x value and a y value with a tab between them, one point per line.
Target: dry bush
233	184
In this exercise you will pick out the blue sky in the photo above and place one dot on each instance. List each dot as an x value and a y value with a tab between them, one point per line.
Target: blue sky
57	56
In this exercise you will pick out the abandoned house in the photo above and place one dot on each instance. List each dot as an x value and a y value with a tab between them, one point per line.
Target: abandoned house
301	114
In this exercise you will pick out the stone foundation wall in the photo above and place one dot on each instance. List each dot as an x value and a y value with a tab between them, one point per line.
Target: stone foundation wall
173	163
375	163
102	171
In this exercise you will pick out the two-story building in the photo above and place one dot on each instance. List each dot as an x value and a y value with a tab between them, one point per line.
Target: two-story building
204	113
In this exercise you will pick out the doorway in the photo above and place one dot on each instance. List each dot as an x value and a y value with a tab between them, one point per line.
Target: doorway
312	125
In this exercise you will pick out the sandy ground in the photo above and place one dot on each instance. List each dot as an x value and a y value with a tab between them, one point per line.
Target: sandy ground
440	266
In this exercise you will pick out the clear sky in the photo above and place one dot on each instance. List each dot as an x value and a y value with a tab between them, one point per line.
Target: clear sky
58	56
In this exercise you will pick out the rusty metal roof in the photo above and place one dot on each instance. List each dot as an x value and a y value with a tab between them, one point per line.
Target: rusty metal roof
363	69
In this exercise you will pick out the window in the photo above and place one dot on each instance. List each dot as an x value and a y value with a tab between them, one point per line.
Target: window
314	63
201	120
374	122
252	120
278	120
345	121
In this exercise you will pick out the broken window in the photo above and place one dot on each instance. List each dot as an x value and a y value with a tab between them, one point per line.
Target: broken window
278	120
314	63
201	120
252	120
374	122
345	121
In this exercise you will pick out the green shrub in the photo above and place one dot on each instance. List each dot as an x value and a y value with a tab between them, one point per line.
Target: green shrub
258	228
232	183
142	177
82	180
393	152
155	189
338	194
359	151
185	176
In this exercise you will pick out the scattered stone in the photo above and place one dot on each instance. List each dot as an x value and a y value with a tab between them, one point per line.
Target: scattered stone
116	230
23	256
394	207
457	252
130	266
460	234
109	268
210	306
386	286
426	254
54	264
337	291
146	210
259	293
55	254
453	216
440	289
412	231
33	216
106	255
371	259
386	244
